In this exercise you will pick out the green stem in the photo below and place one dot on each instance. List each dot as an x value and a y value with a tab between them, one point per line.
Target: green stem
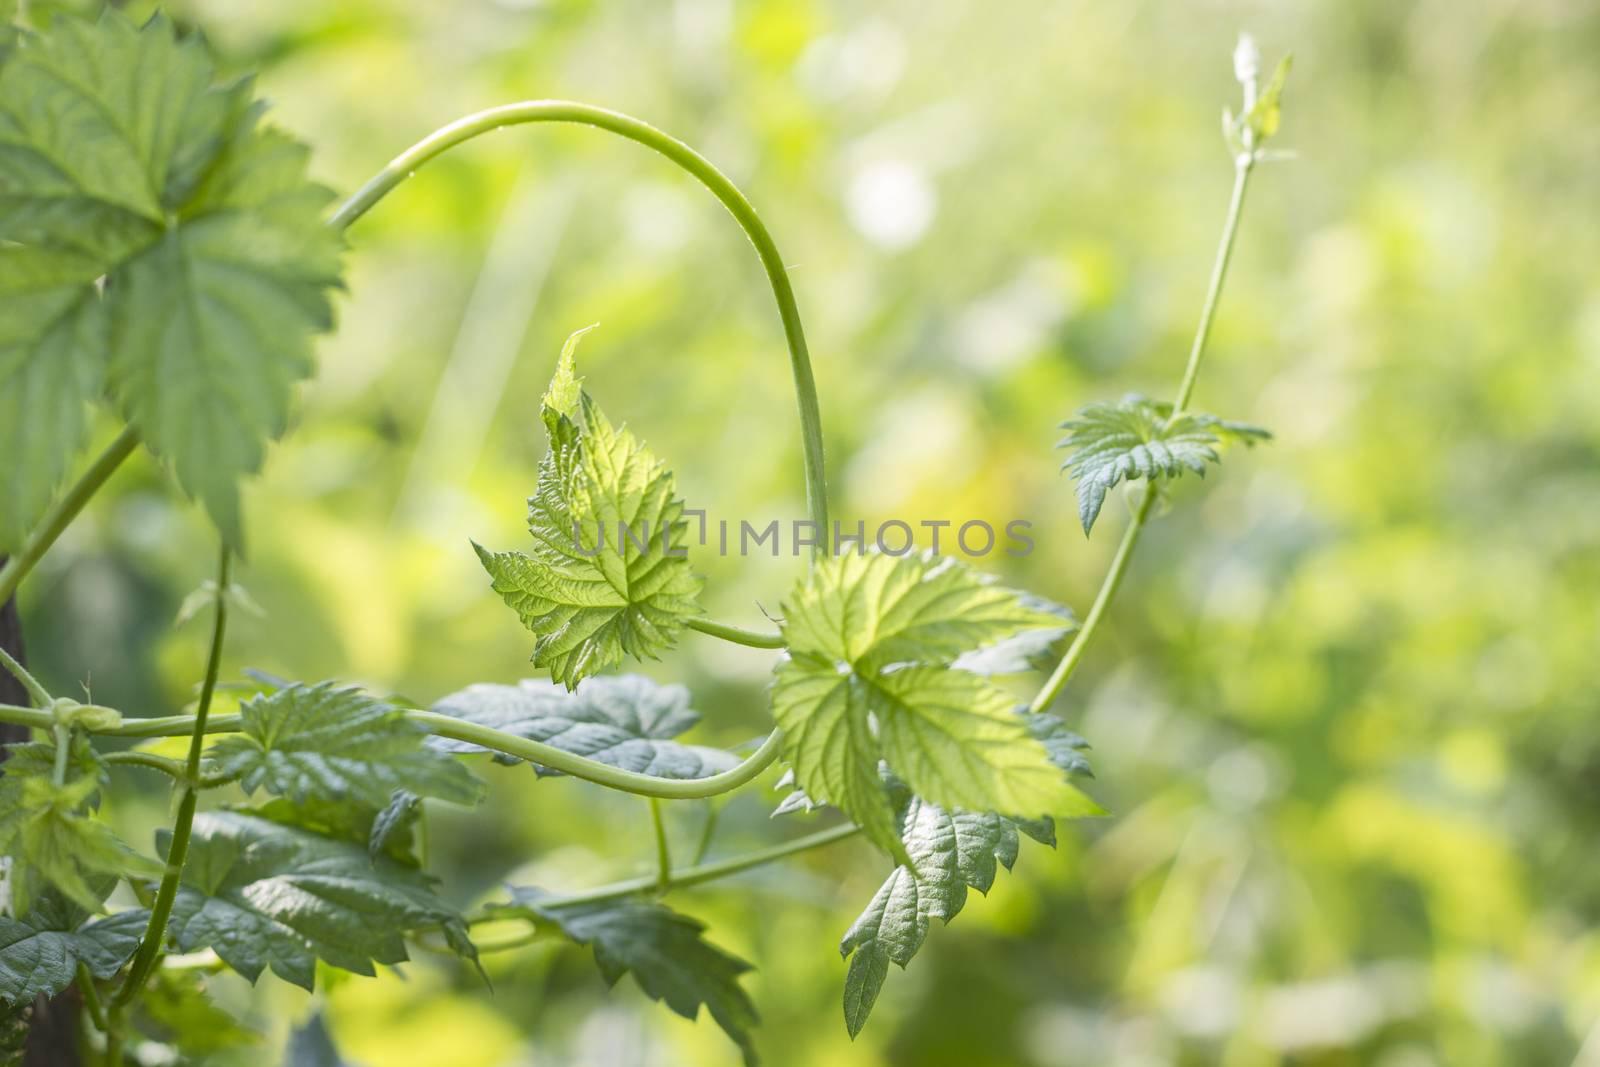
37	692
663	852
556	759
688	876
482	122
736	634
1219	273
64	511
63	748
91	999
646	785
144	960
1130	537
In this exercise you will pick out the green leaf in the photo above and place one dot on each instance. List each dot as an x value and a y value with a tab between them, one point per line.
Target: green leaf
347	820
607	576
391	827
119	159
337	743
50	833
40	952
869	679
948	852
625	721
1138	438
666	953
264	895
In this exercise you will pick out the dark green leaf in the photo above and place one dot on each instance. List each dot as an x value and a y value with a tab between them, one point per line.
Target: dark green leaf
666	953
40	952
263	895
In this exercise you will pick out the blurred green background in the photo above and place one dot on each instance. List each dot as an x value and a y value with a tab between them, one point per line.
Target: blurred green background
1344	711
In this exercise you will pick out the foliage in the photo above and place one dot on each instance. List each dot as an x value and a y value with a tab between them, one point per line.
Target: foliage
164	250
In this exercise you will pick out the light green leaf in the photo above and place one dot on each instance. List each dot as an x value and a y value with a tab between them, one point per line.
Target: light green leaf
666	953
1267	113
607	576
627	721
264	895
120	159
337	743
311	1045
40	952
1138	438
869	679
50	833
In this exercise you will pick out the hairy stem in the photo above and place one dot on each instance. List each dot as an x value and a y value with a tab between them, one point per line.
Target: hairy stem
36	692
736	634
63	511
482	122
1130	537
144	960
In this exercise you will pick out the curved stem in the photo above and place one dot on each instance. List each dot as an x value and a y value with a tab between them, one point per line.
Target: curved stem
482	122
736	634
688	876
646	785
164	764
1130	537
144	961
63	511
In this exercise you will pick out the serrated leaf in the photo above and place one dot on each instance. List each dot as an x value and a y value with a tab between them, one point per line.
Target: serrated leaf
666	953
869	680
40	952
264	895
345	820
1138	438
119	158
626	721
391	827
947	852
337	743
50	833
607	576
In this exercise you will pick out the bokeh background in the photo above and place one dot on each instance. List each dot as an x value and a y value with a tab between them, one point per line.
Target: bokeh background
1345	710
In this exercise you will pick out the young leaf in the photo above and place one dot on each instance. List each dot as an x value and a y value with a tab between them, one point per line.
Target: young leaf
1138	438
120	159
664	949
50	833
869	679
625	720
947	853
263	895
337	743
607	576
40	952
